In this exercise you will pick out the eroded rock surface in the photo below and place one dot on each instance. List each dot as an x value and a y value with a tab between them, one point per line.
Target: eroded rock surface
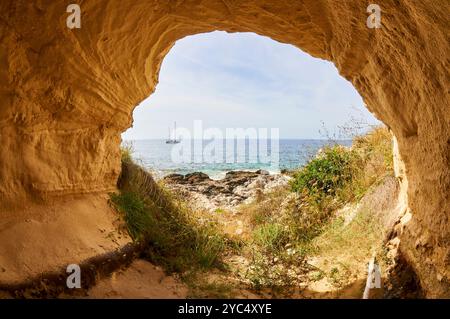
236	188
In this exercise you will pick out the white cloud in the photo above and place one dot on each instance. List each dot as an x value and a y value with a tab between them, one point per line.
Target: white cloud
245	80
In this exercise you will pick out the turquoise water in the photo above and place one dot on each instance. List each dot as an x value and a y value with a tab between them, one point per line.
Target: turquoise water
157	156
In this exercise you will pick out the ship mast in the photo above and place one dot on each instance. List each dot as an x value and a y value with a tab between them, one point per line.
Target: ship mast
175	131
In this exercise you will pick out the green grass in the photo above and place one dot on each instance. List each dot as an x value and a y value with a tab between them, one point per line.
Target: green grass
135	213
345	174
270	236
173	236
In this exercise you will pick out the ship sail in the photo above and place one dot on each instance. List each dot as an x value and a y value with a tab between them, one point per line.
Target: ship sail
173	140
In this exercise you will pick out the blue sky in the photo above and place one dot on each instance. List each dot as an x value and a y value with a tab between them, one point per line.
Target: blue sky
244	80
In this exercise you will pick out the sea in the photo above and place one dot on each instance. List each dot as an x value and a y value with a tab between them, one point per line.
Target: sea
194	156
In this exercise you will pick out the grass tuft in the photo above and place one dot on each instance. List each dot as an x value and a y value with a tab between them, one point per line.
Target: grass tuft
126	152
173	236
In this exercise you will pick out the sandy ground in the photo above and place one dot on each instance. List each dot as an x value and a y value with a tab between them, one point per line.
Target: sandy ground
141	280
40	239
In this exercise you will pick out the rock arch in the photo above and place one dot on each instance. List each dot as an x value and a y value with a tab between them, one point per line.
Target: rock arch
67	94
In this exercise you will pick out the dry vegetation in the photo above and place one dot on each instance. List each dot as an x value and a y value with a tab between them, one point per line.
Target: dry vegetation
288	228
172	232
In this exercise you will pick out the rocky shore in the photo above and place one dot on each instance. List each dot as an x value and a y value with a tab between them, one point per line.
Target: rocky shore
237	187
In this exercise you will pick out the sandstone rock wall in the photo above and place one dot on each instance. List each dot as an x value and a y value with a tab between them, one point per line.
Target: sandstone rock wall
66	95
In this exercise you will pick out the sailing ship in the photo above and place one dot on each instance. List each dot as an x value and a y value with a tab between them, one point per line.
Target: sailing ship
173	140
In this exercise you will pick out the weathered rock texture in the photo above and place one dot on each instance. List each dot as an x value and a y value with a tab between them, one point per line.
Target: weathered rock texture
66	95
237	187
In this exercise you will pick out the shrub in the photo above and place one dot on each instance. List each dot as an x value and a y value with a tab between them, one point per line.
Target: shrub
345	174
326	174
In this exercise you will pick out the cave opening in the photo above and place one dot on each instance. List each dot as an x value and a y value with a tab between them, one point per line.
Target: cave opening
244	94
68	94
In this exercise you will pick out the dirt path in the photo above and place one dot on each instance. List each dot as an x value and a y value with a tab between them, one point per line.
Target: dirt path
140	280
